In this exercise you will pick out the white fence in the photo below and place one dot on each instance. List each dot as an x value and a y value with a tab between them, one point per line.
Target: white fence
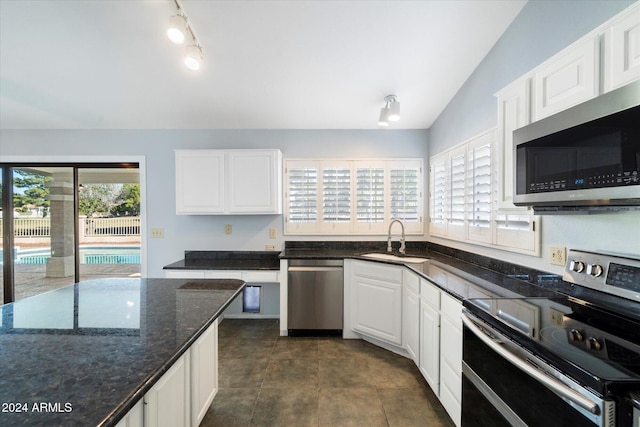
89	227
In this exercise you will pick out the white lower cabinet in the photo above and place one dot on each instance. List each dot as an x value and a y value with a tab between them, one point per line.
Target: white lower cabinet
430	334
134	418
397	306
204	373
451	356
411	315
167	402
183	395
376	301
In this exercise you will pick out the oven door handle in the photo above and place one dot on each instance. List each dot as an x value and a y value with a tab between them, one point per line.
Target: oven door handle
549	382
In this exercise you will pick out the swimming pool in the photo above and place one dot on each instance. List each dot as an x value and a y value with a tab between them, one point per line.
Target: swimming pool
88	255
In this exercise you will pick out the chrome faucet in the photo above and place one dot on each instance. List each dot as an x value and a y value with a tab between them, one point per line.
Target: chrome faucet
402	246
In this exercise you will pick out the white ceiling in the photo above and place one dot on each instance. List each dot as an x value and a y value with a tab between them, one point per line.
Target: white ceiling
107	64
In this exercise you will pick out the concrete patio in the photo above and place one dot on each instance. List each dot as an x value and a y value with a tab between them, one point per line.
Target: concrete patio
30	278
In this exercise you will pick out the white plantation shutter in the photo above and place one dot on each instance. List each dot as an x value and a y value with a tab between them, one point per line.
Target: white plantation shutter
404	194
457	188
352	196
439	195
370	194
301	197
336	194
405	190
517	230
303	189
514	221
479	191
462	197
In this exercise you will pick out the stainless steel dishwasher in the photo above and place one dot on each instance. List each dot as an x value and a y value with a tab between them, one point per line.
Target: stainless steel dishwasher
315	296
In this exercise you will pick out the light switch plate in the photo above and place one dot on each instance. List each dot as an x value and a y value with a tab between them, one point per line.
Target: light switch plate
157	233
272	233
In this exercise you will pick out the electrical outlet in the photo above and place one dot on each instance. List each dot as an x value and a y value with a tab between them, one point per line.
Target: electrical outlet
227	229
270	247
157	233
556	317
272	233
558	255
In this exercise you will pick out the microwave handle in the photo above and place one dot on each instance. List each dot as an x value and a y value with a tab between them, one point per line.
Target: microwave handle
549	382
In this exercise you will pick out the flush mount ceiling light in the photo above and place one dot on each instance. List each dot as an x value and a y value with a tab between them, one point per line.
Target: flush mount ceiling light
390	112
179	29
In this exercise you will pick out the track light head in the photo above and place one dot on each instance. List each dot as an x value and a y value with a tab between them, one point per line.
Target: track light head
383	120
390	112
193	57
394	111
177	30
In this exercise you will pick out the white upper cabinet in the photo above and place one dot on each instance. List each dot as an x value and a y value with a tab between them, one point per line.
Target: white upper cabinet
622	49
255	181
200	182
513	113
218	182
567	79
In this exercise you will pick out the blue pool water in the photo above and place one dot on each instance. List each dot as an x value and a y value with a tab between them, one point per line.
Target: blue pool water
88	255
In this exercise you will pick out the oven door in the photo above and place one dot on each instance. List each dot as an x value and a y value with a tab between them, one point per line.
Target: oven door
504	384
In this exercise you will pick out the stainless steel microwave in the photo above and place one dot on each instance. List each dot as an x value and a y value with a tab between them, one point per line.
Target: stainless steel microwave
584	158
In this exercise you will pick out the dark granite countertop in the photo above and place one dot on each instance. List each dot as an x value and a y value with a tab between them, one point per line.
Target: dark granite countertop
227	260
499	278
90	351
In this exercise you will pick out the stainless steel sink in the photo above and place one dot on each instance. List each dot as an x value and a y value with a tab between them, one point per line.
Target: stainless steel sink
395	258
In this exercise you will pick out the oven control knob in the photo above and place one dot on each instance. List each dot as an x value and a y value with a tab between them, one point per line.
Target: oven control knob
577	266
595	270
593	344
575	335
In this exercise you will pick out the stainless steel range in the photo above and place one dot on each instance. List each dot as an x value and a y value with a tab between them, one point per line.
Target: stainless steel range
613	274
570	359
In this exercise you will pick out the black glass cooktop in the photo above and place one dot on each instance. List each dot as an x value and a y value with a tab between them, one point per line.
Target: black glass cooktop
596	347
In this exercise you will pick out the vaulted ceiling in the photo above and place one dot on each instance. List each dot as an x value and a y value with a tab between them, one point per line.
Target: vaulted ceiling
107	64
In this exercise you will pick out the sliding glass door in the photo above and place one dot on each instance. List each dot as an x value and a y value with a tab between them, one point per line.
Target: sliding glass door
68	223
43	229
109	222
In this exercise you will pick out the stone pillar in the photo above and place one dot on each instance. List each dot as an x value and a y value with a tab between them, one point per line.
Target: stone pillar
61	263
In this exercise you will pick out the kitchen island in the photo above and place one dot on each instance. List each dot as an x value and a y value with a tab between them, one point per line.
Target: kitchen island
86	354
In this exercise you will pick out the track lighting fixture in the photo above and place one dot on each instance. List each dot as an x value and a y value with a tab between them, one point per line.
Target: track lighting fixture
179	29
390	112
193	57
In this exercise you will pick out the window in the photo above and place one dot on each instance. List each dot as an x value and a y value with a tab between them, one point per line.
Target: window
462	196
352	196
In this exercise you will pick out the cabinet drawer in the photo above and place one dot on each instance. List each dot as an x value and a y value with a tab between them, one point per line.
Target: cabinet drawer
411	281
451	308
430	294
223	274
379	271
183	274
260	276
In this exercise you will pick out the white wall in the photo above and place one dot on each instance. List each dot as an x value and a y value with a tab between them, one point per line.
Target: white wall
207	232
542	29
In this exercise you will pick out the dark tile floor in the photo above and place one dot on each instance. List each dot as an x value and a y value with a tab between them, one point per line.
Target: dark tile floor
268	380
